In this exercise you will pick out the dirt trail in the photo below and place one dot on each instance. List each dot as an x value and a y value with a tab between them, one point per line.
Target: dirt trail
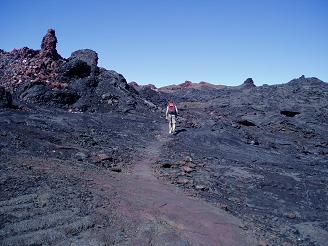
143	209
167	216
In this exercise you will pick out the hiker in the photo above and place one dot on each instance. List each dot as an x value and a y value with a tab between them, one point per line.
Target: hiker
171	114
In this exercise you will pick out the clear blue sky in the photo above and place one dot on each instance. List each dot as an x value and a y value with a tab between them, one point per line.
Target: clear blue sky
170	41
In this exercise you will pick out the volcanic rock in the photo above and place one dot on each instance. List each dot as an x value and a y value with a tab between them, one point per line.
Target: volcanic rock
25	65
81	156
183	181
48	45
223	206
248	83
166	165
139	88
45	78
151	86
291	215
188	85
187	169
134	85
260	148
200	187
262	243
116	169
289	113
74	69
154	96
88	56
44	95
101	157
246	123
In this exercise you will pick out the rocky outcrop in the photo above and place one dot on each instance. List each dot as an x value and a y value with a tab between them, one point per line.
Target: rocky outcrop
49	97
158	98
43	77
304	82
134	85
49	44
138	87
31	66
88	56
190	85
74	69
186	84
248	83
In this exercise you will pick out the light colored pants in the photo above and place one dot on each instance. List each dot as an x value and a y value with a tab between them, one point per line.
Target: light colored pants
172	121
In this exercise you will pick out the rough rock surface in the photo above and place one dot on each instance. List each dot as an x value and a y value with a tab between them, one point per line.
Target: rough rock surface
88	56
248	83
74	69
49	44
190	85
260	153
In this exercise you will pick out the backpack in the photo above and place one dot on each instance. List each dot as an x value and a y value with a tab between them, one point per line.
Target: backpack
171	108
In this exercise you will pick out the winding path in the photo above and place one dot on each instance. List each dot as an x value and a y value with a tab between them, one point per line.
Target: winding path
154	212
167	216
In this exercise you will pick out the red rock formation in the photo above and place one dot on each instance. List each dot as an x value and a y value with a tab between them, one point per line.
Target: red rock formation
28	65
48	45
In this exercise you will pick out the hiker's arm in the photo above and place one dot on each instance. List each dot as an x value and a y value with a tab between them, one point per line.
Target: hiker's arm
167	111
176	109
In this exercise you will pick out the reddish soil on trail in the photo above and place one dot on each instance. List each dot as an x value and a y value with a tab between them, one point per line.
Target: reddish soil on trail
176	218
60	200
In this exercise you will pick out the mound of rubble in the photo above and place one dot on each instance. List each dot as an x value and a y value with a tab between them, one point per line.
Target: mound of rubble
45	78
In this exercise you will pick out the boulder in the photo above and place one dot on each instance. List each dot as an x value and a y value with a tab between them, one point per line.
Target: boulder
74	69
88	56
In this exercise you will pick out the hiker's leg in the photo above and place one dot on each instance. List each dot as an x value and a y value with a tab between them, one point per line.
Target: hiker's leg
173	123
170	124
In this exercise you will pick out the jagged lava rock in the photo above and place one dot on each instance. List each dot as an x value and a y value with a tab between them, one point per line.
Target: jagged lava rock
134	85
88	56
261	148
74	69
31	66
45	78
248	83
49	44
